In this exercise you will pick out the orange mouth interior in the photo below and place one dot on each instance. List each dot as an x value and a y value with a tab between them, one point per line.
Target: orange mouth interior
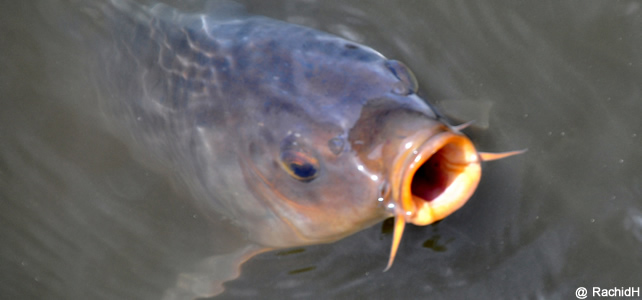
434	180
440	178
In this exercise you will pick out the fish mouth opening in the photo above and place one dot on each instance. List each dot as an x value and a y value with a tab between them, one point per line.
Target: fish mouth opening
433	176
440	175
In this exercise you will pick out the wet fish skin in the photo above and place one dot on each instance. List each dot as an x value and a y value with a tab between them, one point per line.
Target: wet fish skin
295	136
218	97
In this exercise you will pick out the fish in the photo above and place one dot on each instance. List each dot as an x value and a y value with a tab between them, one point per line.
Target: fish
295	136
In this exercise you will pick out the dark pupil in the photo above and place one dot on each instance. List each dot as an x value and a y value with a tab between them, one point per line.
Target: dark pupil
303	170
300	165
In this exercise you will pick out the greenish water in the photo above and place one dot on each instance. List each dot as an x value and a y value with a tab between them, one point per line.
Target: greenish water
81	218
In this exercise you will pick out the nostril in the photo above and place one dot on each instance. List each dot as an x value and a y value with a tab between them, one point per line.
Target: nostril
407	82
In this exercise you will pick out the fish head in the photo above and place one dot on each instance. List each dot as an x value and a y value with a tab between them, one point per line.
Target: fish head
343	142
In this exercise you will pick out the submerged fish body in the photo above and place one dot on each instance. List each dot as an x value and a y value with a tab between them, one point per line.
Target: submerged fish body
296	136
227	101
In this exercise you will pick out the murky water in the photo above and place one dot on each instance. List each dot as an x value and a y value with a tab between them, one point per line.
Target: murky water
82	218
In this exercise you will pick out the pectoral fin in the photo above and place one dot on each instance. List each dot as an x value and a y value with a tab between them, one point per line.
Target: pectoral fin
208	276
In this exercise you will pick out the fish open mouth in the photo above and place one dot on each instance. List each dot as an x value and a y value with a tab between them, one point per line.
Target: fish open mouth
432	179
433	176
438	177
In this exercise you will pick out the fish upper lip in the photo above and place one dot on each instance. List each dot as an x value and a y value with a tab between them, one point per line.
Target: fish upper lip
457	166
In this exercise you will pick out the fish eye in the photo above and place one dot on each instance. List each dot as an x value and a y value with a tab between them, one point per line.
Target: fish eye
300	165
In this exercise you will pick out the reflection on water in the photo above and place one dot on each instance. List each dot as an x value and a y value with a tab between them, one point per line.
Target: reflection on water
81	218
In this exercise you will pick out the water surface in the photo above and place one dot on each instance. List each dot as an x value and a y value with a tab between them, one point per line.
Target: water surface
82	217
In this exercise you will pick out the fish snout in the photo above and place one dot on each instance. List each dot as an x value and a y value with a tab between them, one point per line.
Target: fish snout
434	174
435	178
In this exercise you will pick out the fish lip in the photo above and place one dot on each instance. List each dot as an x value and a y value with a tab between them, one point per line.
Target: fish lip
459	164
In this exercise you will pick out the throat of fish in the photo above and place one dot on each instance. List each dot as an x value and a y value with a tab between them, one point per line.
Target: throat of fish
433	179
